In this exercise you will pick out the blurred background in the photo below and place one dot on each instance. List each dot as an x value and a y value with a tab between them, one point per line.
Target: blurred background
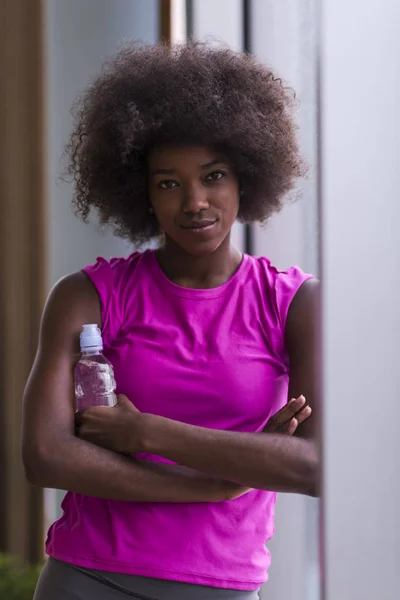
342	58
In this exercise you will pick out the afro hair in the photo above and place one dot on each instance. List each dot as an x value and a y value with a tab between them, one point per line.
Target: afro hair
146	96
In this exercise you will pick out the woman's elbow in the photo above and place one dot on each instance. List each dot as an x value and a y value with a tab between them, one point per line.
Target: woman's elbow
313	474
32	473
303	476
37	464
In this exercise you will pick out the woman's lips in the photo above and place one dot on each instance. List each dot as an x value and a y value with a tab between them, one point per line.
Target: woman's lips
199	226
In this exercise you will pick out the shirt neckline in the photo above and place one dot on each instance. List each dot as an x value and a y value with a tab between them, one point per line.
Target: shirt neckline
195	293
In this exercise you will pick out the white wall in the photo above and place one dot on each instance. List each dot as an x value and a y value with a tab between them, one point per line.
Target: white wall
283	36
219	21
361	280
80	33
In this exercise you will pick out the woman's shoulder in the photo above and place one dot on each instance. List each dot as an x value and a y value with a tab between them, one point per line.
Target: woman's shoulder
74	287
114	281
264	265
72	299
117	273
115	267
279	284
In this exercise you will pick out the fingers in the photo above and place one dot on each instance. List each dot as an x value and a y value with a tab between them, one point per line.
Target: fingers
124	403
303	414
290	426
295	405
286	413
299	417
124	400
286	420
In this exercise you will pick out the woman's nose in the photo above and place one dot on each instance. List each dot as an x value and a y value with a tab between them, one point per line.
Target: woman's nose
195	200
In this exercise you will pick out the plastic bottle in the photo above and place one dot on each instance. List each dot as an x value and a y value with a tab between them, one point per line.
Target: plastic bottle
94	374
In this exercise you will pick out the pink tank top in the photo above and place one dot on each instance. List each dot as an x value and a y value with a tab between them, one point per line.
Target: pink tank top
209	357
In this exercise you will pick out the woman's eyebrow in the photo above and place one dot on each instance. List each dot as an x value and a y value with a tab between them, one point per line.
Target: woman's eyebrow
211	163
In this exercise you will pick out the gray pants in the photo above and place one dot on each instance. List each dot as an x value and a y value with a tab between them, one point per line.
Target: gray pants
62	581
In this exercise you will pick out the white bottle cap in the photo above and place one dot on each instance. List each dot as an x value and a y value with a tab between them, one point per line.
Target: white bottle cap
91	338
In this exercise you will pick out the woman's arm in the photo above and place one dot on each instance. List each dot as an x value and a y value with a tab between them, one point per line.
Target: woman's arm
302	342
256	460
53	456
263	461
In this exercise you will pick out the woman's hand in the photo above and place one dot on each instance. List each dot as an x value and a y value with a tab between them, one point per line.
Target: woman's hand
117	428
120	428
287	420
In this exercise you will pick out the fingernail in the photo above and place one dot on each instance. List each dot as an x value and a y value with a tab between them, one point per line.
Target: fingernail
301	398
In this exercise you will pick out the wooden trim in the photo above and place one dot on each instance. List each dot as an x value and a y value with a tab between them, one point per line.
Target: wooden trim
22	258
165	11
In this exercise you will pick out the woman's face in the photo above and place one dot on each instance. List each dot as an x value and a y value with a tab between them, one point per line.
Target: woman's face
194	193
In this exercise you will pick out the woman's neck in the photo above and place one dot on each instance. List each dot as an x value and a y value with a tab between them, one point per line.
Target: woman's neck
202	272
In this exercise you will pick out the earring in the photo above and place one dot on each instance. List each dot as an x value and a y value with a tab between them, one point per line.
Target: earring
241	192
151	210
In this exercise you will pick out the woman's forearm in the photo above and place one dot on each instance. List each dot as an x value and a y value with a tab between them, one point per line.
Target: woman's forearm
81	467
257	460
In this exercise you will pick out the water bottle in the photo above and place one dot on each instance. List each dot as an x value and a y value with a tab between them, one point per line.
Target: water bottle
94	374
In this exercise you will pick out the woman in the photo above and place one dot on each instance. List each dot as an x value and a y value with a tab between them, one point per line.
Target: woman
171	493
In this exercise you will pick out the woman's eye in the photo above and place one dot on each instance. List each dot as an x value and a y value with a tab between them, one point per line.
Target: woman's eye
215	176
167	184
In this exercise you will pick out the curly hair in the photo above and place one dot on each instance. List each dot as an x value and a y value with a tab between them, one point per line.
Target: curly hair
188	94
